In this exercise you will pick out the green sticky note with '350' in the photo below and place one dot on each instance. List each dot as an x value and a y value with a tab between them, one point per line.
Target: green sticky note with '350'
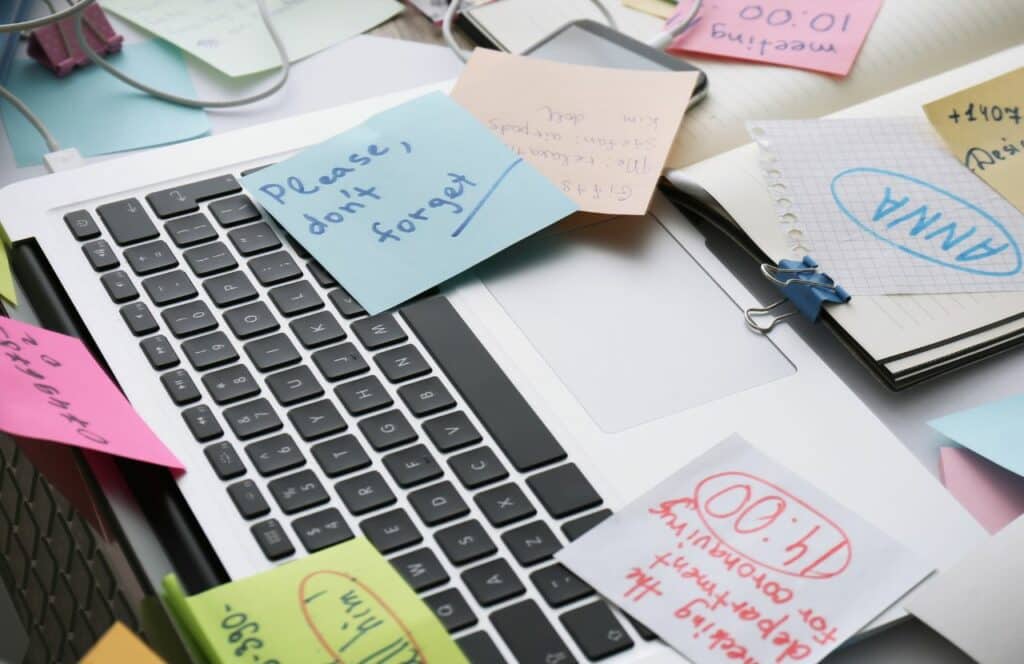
342	604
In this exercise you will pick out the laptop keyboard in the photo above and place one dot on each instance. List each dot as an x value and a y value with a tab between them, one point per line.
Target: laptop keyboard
247	333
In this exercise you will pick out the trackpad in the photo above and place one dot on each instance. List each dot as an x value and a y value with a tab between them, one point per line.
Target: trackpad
629	322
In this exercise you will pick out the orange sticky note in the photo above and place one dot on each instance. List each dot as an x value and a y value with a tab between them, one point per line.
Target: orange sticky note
118	646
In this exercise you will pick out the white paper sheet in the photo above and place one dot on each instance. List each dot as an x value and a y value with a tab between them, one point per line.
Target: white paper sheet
735	558
884	207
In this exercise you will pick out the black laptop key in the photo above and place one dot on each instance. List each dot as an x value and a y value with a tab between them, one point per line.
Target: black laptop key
451	431
322	276
426	396
402	363
322	529
231	384
379	331
127	221
465	542
596	631
558	586
272	352
159	351
274	455
254	239
295	298
298	491
209	350
477	467
365	492
578	527
119	286
645	633
208	259
180	386
340	455
150	257
317	419
248	500
274	268
391	531
202	423
82	225
451	609
421	569
189	318
296	246
438	503
494	399
272	539
252	418
235	210
139	319
250	320
504	504
387	430
294	385
224	459
100	256
531	543
492	582
183	198
345	304
412	466
341	361
191	230
317	329
564	490
230	289
480	649
528	634
363	395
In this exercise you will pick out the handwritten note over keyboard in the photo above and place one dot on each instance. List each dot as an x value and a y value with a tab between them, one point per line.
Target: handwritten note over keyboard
982	126
806	34
734	558
410	198
602	135
54	390
342	604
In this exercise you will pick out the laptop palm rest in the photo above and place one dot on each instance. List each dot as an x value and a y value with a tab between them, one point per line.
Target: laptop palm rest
629	321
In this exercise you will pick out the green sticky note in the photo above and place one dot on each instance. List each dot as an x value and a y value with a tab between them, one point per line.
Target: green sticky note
342	604
6	278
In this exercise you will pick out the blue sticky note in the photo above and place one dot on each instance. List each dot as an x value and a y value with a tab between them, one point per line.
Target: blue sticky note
995	431
410	198
98	114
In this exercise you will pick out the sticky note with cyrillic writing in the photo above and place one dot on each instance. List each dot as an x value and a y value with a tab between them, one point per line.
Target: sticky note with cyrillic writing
806	34
735	558
343	604
53	389
408	199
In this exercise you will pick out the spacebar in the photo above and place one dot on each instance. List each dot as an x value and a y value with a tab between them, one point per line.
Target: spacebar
504	412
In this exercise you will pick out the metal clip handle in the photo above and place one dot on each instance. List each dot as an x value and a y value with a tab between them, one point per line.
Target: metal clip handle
750	314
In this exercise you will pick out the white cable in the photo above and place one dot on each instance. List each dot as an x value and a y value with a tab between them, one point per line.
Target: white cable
661	40
46	20
51	143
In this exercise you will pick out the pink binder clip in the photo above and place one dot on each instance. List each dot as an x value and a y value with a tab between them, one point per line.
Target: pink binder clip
56	47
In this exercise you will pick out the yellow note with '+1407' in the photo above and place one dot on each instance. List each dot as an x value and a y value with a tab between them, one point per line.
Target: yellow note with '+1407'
342	604
983	127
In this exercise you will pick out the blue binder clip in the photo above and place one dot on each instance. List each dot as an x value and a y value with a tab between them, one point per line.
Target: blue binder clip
802	284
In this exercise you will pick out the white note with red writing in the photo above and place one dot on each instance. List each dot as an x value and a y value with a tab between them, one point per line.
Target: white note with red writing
735	559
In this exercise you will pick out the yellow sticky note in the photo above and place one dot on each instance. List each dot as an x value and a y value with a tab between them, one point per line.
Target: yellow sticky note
120	645
659	8
342	604
6	278
983	127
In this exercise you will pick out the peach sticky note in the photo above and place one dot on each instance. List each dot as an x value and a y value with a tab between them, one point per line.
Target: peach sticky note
806	34
601	135
54	390
120	645
993	495
982	126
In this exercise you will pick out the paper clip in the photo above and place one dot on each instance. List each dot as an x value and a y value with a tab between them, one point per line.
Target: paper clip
803	285
55	46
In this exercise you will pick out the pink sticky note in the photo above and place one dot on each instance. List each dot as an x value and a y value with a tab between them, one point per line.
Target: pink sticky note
993	495
52	389
806	34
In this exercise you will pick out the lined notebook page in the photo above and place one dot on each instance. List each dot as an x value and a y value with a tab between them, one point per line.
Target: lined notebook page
883	325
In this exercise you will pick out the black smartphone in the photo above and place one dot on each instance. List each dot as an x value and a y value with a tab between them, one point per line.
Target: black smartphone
587	42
